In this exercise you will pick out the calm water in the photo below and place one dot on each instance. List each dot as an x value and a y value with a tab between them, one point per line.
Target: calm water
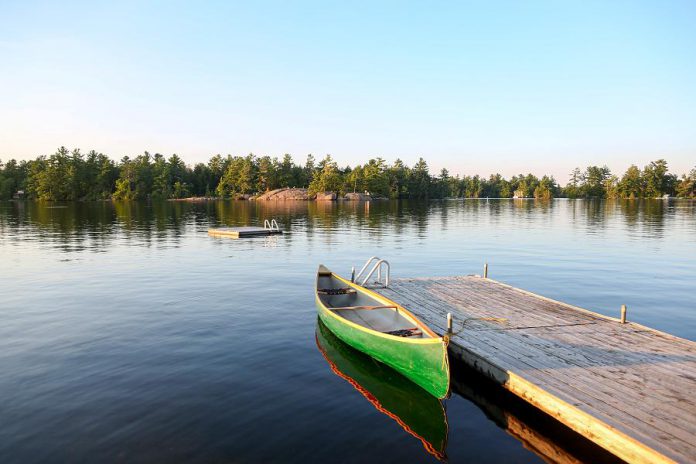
130	335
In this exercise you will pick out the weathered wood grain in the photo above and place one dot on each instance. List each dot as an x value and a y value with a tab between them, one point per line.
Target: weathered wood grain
629	388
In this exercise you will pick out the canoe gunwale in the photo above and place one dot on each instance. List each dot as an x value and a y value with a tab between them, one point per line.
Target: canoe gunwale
435	339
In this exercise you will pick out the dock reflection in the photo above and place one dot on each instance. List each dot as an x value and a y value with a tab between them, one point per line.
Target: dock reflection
415	410
425	417
541	434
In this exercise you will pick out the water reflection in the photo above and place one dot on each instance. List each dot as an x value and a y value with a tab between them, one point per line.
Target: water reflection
424	417
139	296
538	432
415	410
556	247
86	225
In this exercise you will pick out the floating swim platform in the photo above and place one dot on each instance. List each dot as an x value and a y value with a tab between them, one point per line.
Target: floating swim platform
269	228
242	232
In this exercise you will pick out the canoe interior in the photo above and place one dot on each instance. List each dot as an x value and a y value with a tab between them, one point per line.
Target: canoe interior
380	320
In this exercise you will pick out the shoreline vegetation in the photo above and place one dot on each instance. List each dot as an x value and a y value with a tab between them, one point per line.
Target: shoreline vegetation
71	175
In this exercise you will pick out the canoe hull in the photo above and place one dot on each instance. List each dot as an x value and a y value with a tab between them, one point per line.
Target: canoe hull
424	361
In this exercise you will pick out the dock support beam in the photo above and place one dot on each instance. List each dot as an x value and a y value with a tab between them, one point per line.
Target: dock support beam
485	270
623	314
449	323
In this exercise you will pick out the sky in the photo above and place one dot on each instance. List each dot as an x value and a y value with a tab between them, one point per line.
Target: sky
477	87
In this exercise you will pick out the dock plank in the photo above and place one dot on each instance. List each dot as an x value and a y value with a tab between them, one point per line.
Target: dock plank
629	388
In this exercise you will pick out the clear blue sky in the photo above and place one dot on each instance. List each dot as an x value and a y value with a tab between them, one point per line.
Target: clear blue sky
478	87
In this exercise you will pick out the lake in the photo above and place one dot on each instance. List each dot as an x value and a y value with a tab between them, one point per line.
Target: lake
130	335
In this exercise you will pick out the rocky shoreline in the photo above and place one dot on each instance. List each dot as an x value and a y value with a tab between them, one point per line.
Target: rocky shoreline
290	194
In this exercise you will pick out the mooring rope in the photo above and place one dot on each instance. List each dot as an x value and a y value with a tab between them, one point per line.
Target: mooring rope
445	358
447	335
501	320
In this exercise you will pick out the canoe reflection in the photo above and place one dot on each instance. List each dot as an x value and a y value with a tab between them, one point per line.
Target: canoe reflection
415	410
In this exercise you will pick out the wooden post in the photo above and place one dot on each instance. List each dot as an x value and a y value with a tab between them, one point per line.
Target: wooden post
352	274
485	270
449	322
623	314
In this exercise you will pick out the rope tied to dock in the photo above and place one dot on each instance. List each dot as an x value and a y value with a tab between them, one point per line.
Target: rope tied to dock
445	358
447	335
500	320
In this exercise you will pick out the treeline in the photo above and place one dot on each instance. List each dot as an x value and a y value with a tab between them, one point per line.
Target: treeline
653	181
72	175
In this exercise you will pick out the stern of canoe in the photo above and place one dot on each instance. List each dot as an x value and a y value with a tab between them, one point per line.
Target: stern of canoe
422	360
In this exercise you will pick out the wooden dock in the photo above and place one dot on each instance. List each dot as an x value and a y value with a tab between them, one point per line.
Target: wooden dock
242	232
626	387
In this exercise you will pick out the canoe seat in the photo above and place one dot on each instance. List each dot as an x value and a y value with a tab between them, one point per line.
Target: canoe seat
368	308
411	332
336	291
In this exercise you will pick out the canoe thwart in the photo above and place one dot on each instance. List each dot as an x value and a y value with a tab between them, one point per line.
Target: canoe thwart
368	308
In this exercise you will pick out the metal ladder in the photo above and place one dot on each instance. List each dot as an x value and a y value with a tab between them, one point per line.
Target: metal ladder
271	225
376	267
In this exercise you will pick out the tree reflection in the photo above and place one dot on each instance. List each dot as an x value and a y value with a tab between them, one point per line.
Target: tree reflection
91	225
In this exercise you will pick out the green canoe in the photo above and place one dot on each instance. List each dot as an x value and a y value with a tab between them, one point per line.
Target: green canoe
415	410
384	330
